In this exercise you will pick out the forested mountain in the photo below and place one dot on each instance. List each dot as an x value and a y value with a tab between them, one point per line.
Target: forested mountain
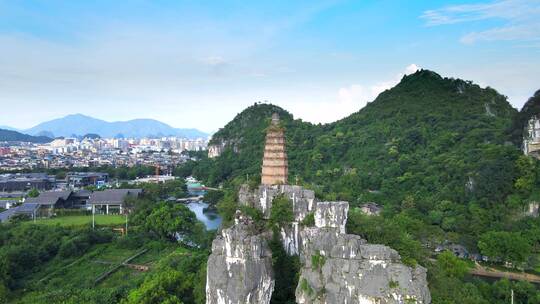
9	135
435	152
429	134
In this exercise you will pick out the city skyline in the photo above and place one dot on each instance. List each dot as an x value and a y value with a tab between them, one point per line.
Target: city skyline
196	65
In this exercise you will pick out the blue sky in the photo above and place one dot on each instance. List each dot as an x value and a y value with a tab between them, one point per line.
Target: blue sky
199	63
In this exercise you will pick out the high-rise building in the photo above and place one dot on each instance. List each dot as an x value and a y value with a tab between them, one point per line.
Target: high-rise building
275	166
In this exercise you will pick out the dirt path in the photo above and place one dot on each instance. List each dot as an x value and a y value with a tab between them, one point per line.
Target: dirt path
482	271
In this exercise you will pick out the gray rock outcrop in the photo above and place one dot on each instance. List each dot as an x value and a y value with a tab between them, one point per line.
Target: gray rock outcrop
332	215
531	138
303	202
336	267
239	270
343	268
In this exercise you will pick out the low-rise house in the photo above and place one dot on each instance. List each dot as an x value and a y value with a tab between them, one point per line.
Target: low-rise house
80	198
84	179
111	201
459	250
50	200
29	209
6	215
371	208
26	181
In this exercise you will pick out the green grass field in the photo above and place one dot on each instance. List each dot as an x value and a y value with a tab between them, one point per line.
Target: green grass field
81	220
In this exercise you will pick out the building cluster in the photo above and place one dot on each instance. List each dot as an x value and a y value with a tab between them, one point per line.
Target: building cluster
88	152
22	182
110	201
71	192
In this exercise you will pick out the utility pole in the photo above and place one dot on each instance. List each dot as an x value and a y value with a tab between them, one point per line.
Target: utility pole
512	296
93	216
126	221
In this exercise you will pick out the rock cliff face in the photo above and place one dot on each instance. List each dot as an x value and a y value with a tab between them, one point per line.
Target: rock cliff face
336	267
216	149
261	198
332	215
531	139
303	202
239	269
342	268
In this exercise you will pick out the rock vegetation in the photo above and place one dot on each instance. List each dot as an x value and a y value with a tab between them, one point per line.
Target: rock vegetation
336	267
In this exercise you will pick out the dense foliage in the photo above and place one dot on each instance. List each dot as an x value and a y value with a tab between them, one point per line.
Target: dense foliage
23	248
58	264
435	153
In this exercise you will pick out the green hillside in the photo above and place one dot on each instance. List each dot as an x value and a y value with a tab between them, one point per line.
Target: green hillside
436	153
429	136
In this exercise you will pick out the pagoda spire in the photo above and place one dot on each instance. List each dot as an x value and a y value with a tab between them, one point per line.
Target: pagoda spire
275	165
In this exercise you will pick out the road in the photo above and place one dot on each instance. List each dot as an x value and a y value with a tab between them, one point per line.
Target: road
482	271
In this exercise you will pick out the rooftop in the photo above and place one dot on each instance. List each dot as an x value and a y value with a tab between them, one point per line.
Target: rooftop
115	196
49	197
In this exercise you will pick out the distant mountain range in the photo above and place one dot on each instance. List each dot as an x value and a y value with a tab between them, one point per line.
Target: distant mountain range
78	125
9	135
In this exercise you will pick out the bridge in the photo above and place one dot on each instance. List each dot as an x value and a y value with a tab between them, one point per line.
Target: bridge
190	199
202	188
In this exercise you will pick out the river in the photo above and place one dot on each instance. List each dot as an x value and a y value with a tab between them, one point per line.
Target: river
210	218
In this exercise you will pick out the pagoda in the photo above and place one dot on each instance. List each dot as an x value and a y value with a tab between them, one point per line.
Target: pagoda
275	166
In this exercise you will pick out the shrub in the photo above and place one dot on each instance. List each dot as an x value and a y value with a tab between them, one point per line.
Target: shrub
281	212
309	220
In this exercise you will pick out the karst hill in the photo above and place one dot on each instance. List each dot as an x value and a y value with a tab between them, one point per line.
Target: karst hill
439	156
428	133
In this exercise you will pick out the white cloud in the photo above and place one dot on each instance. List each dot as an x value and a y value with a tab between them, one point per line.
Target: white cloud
358	95
521	19
509	33
214	60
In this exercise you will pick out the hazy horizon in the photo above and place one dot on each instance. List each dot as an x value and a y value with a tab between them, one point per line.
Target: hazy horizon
198	64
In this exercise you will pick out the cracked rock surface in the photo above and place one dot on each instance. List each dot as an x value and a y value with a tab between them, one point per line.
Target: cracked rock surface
343	268
239	270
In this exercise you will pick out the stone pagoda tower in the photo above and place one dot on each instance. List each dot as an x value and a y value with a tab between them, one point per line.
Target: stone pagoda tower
275	168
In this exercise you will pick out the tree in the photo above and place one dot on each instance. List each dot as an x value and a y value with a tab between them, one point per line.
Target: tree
286	271
508	246
212	197
281	212
33	192
452	265
170	221
3	293
179	278
227	206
